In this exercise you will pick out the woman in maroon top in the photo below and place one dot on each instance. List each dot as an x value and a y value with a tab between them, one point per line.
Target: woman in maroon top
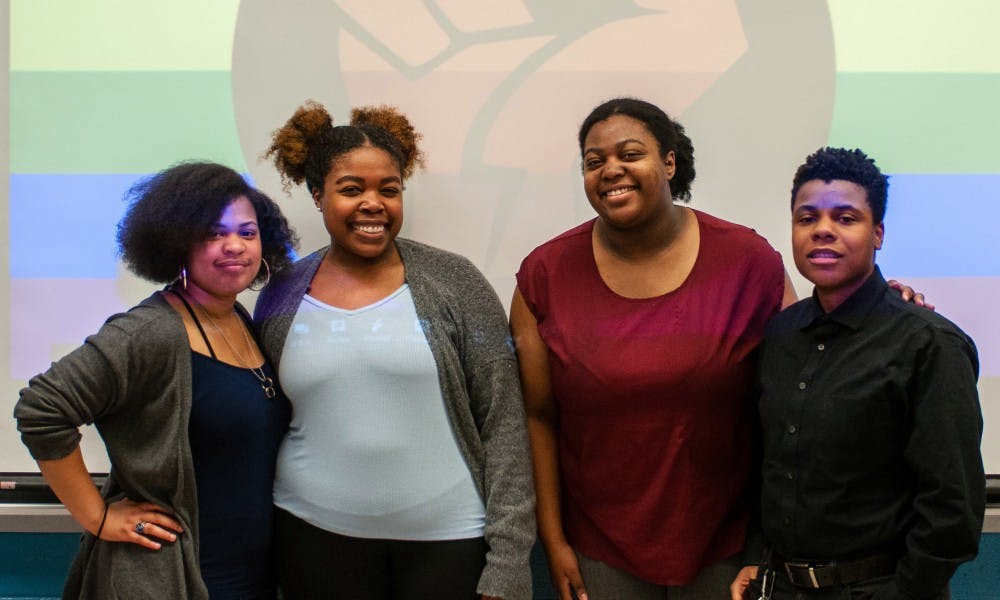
636	334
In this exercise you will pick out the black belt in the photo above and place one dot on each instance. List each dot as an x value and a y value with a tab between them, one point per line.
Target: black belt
819	574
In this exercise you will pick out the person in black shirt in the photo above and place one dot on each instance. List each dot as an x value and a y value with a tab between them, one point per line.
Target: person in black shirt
873	483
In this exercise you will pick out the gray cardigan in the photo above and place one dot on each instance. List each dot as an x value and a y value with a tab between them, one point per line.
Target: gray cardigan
132	379
468	335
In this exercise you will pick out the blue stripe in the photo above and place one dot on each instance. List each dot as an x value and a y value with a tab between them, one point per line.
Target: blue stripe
63	226
942	226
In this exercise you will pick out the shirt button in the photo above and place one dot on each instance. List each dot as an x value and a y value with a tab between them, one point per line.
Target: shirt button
790	475
802	385
787	520
821	347
791	429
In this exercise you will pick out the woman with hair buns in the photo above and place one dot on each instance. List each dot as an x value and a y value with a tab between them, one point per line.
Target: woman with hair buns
405	472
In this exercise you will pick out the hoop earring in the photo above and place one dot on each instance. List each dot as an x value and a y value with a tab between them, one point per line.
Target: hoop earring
267	277
184	278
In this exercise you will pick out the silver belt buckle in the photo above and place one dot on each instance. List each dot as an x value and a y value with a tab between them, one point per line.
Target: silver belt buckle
798	565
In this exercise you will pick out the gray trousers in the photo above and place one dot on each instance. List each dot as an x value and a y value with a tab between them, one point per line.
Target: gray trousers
608	583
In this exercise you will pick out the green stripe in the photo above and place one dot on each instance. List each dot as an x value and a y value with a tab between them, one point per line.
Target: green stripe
920	123
122	35
120	122
916	35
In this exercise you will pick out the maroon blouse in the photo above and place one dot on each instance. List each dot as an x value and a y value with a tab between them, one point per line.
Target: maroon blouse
654	398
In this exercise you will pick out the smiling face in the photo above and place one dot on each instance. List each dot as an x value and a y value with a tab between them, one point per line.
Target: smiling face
834	238
362	203
626	180
224	265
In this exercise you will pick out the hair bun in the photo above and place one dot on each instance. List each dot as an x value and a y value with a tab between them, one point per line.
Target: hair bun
291	142
390	119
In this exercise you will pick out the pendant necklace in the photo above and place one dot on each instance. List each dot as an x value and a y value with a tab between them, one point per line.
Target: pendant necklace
266	383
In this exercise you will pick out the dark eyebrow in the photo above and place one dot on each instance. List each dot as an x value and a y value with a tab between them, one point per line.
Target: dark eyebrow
238	225
618	146
840	207
356	179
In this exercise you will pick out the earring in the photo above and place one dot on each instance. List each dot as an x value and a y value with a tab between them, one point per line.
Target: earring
319	208
184	278
267	276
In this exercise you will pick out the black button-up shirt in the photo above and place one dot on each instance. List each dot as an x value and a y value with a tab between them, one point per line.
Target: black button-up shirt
871	431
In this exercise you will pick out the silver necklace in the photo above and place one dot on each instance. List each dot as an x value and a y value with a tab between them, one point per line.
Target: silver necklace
266	383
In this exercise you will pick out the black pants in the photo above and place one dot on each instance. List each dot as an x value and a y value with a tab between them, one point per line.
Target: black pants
314	564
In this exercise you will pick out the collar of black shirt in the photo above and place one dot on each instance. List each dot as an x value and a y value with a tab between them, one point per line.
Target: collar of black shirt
853	311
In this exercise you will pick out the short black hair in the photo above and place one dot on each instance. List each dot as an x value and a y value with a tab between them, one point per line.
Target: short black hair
669	135
173	210
828	164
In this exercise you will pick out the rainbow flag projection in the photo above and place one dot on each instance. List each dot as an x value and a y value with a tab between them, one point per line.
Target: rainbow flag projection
918	89
100	94
104	92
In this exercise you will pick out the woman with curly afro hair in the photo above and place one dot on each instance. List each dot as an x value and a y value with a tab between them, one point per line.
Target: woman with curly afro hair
405	472
186	404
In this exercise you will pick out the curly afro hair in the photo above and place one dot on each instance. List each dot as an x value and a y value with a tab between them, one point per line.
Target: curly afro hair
855	166
306	147
669	135
173	210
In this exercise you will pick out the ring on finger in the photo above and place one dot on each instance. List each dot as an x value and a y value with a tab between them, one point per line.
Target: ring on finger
140	526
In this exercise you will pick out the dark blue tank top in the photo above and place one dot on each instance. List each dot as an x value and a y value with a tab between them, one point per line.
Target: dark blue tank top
235	431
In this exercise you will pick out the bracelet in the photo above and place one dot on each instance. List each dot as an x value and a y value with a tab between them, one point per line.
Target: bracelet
104	516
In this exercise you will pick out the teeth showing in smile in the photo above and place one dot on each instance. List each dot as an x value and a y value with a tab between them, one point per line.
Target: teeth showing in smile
370	228
618	191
